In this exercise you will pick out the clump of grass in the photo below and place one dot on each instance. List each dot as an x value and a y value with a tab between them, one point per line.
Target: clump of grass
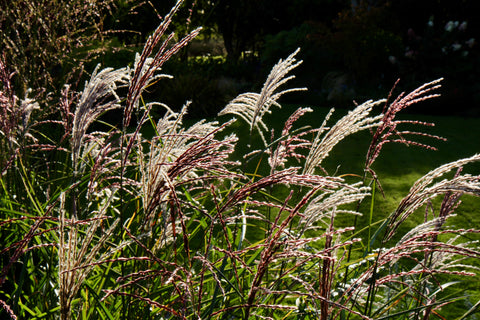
112	224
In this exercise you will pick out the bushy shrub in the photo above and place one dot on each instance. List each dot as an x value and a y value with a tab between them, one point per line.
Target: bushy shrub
373	44
206	95
357	45
443	47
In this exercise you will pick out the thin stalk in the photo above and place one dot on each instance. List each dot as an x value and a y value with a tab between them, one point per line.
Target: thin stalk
355	221
372	203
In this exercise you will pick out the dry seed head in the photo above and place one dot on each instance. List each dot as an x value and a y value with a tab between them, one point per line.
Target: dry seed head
322	205
421	191
251	107
289	142
388	131
98	96
356	120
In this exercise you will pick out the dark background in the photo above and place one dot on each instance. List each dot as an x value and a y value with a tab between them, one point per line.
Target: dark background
352	49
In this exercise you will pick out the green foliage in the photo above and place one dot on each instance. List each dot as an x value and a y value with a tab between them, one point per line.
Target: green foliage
286	41
364	40
208	82
357	46
205	94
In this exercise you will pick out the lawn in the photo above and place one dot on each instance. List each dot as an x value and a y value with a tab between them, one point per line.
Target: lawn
398	167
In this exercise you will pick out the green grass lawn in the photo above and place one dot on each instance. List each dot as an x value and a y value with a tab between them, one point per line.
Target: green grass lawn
399	166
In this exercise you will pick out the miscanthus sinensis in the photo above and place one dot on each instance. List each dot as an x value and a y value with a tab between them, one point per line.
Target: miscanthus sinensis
252	106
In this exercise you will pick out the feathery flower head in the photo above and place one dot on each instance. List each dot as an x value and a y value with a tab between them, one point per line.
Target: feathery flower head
98	96
251	107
